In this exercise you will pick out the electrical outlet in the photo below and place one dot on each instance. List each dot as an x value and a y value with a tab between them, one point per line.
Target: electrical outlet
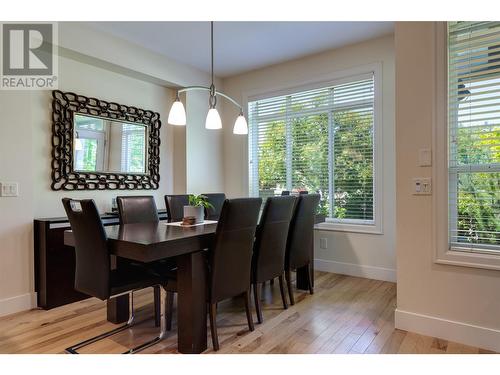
9	189
323	243
422	186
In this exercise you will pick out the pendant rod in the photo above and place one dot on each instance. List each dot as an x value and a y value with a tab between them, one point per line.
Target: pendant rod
212	47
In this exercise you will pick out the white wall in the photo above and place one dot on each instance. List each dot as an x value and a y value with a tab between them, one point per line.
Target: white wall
352	253
98	65
456	303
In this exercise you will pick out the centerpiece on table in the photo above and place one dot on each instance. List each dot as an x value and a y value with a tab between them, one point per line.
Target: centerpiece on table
196	209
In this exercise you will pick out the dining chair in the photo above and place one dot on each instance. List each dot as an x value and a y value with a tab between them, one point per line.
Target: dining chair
300	240
175	206
137	209
217	200
230	257
93	274
142	209
269	249
229	260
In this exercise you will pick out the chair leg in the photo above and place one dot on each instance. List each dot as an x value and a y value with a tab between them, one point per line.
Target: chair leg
156	303
282	291
212	312
246	295
169	307
74	349
258	308
309	279
272	282
288	277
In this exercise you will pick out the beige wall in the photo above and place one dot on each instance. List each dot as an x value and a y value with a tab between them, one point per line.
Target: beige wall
125	74
457	303
361	254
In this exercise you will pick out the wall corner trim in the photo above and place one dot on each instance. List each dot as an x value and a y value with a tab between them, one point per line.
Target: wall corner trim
358	270
464	333
19	303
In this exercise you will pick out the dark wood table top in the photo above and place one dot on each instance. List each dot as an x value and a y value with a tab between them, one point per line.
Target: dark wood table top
151	242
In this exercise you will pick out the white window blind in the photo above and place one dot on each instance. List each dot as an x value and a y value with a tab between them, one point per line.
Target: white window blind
474	136
319	140
133	148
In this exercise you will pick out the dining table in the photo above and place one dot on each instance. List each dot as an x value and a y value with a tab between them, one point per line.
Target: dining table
150	242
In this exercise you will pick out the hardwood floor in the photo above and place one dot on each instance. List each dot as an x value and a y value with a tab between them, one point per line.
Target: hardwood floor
345	315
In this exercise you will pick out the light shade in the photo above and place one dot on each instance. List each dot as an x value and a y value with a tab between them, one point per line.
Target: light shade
240	126
177	115
213	120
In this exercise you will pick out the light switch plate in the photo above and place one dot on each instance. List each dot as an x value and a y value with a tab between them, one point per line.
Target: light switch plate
9	189
425	157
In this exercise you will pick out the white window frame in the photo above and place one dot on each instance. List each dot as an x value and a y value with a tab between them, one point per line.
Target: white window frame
443	252
336	78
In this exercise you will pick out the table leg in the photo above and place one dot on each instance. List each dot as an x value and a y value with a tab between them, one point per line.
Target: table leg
191	303
118	309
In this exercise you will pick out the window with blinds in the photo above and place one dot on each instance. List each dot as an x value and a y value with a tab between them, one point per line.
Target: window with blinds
474	136
321	141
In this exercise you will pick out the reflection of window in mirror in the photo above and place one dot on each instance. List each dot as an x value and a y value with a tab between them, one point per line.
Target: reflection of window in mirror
133	150
90	144
103	145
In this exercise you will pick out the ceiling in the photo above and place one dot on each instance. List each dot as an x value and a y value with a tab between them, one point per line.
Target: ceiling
242	46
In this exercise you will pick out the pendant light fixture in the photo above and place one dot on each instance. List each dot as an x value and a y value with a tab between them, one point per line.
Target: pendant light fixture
177	115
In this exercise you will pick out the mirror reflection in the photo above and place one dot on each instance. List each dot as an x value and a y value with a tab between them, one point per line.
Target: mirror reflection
104	145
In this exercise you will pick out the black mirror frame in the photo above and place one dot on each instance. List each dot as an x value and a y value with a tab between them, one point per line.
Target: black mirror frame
64	106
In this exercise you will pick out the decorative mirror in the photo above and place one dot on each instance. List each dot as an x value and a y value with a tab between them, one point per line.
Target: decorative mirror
98	145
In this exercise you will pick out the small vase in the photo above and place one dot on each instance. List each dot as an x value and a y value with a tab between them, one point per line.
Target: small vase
196	211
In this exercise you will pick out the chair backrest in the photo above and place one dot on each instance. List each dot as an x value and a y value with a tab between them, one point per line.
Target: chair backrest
303	192
270	240
137	209
230	257
92	274
175	206
300	234
217	200
285	192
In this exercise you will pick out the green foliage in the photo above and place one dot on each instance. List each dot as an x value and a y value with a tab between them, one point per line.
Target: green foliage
310	150
478	202
199	201
353	165
89	154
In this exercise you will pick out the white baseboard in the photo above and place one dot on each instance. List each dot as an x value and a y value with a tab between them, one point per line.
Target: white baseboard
358	270
468	334
15	304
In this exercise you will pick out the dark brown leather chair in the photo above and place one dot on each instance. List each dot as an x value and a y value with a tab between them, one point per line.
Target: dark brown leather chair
299	251
93	274
230	257
141	209
137	209
270	246
217	200
175	206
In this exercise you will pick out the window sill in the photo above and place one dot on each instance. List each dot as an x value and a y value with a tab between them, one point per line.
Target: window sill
352	228
469	259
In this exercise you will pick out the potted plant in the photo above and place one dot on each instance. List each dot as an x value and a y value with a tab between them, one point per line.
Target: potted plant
197	206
